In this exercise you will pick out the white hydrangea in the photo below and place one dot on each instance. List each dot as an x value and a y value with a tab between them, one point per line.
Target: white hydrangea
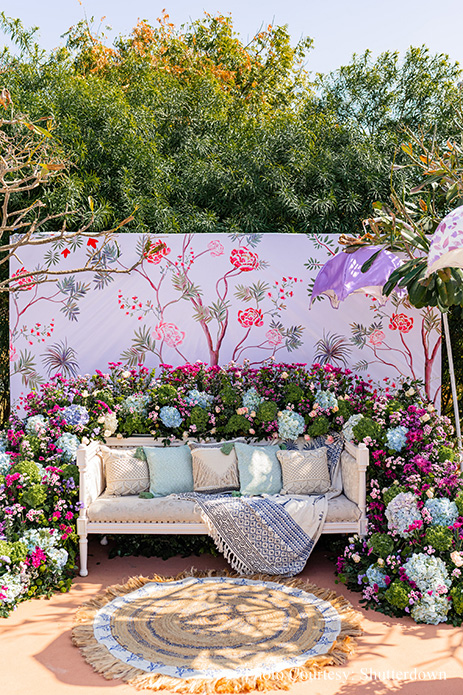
12	586
347	427
110	424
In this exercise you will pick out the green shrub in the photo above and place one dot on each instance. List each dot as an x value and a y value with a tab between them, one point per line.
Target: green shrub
397	595
381	544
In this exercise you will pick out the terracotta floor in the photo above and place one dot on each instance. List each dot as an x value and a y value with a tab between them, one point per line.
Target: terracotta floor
394	655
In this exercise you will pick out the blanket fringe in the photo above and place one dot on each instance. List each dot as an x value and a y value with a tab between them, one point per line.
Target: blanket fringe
103	662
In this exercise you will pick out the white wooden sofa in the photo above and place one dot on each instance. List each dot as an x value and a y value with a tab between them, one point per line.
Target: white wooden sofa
104	514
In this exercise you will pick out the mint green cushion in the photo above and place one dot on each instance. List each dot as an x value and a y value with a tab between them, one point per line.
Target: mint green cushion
259	469
170	469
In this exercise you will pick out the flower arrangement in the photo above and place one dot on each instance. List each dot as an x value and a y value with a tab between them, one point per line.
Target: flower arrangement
415	506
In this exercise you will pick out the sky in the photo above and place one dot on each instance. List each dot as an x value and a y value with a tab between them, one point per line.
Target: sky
339	28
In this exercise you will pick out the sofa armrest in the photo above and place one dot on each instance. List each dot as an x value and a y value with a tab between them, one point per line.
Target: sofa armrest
91	474
354	464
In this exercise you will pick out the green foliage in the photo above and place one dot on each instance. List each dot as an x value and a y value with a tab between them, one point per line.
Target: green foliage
293	393
445	453
199	417
459	503
165	394
319	426
397	595
344	408
381	544
34	496
237	424
27	468
456	592
267	411
366	428
16	551
439	537
230	397
392	492
161	546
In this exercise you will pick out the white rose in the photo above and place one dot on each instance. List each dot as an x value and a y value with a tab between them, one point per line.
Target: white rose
85	394
356	557
457	558
425	417
410	392
125	375
101	419
284	375
430	492
431	408
119	435
380	561
107	433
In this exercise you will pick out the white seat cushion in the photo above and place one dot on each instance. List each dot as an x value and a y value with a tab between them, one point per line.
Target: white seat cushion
341	509
131	509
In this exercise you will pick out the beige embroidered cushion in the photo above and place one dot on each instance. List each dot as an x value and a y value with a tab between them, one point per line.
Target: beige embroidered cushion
304	472
125	475
214	471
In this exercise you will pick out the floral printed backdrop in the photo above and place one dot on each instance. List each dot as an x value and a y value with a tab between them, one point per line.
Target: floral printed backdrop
213	298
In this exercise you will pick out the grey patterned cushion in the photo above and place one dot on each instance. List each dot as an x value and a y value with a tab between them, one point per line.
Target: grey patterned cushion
304	472
125	475
214	471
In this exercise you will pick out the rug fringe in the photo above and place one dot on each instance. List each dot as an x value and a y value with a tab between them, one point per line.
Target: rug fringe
103	662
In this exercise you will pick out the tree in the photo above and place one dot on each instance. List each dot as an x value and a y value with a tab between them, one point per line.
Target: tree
30	160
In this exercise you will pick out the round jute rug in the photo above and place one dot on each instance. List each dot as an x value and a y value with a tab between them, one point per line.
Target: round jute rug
201	633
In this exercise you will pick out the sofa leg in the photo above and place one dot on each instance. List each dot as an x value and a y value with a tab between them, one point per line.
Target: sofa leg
83	546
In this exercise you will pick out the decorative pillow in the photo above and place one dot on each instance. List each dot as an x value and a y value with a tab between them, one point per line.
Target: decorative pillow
305	472
170	469
125	474
258	469
214	471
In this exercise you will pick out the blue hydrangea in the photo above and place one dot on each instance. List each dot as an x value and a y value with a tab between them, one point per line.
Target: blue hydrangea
200	398
170	416
136	404
3	444
35	424
290	424
396	437
75	415
401	512
427	571
376	575
431	609
5	463
251	399
68	443
326	400
444	512
347	429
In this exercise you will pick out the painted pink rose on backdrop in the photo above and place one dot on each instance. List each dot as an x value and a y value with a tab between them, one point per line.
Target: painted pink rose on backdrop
28	283
250	317
244	259
274	337
13	354
216	248
156	252
401	322
377	337
169	333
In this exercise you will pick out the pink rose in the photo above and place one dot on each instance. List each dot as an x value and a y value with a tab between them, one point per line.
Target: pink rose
402	322
377	337
250	317
169	333
244	259
156	252
274	337
216	248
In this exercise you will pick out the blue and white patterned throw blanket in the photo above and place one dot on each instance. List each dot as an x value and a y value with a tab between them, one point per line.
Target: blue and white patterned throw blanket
255	534
268	535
